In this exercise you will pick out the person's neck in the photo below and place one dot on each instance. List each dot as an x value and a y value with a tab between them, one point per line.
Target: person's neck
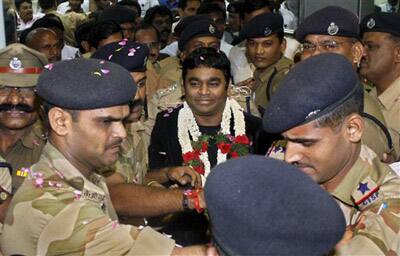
211	120
45	11
85	169
332	184
386	81
8	137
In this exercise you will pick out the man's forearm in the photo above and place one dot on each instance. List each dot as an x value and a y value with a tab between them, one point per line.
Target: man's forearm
134	200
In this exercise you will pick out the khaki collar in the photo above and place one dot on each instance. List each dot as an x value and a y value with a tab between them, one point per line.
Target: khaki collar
390	96
367	167
34	137
70	174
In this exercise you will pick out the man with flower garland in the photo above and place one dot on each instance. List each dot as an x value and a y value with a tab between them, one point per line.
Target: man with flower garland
207	130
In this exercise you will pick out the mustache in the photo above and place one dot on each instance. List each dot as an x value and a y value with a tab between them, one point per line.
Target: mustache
19	107
117	142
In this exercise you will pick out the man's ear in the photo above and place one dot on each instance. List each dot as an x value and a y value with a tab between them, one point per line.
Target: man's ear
354	127
283	45
357	51
60	121
397	53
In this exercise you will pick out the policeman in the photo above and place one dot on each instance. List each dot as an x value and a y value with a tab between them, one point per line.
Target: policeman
264	47
380	65
68	204
259	211
21	133
335	29
323	125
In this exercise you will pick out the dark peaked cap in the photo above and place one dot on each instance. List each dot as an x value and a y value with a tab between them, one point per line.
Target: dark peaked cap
85	84
268	207
130	55
262	25
331	20
381	22
313	88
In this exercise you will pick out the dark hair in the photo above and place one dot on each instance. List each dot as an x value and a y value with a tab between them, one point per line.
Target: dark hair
103	30
334	119
158	9
48	21
207	8
47	4
183	3
207	57
82	33
146	26
254	5
10	21
131	3
19	2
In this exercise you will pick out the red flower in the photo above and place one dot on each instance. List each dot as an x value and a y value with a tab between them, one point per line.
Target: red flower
242	139
199	169
234	154
204	146
189	156
224	147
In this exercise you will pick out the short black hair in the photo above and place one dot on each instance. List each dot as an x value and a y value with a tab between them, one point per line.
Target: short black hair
102	30
146	26
207	8
19	2
82	33
131	3
254	5
48	21
334	119
183	3
210	58
158	9
47	4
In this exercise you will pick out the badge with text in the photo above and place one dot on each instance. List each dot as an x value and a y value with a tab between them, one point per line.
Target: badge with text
366	193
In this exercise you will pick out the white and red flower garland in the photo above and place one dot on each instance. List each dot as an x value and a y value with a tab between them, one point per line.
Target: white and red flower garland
194	151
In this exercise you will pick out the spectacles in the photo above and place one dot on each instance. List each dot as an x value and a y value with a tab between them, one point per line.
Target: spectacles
323	46
23	91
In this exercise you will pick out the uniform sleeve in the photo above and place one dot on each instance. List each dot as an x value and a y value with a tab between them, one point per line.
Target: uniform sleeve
5	176
89	231
378	232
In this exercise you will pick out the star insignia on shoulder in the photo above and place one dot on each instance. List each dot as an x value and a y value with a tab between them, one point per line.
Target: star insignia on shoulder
363	187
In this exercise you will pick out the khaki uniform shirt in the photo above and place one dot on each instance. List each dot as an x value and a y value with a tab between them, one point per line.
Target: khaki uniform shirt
267	82
25	152
389	102
369	197
59	211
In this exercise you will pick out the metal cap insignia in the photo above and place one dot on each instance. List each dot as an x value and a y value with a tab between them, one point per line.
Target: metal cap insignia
211	28
371	23
333	29
267	31
15	63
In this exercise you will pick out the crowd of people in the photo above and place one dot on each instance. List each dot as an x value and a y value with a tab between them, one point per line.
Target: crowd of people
197	127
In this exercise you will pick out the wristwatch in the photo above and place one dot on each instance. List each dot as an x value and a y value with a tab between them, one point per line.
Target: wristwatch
3	196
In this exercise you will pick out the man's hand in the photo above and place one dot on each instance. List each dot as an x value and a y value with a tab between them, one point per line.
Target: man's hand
184	175
195	250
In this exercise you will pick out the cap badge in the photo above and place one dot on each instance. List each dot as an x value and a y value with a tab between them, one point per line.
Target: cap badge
267	31
371	23
211	28
312	113
15	63
333	29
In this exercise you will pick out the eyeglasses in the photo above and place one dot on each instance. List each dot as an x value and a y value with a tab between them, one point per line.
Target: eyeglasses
323	46
23	91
